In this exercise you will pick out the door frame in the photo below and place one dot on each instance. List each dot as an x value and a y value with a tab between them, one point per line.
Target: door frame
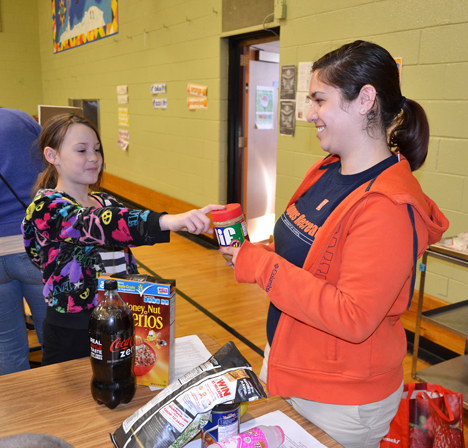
237	105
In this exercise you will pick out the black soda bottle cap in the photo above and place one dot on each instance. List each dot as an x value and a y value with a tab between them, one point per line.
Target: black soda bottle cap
110	285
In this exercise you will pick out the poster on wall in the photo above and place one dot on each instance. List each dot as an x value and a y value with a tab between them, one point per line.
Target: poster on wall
288	82
286	121
159	103
303	103
264	107
197	103
196	89
79	22
123	116
304	75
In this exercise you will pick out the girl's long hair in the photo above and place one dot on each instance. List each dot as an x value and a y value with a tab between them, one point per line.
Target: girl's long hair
52	134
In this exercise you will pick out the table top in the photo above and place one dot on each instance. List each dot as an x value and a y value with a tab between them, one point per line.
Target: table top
57	400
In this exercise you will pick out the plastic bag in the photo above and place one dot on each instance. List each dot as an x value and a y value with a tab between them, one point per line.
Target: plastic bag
428	416
181	410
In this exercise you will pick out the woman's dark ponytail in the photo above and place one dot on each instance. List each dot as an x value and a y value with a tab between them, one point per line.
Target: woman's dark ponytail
410	136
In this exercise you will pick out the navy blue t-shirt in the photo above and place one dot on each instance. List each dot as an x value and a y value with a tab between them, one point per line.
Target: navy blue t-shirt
295	230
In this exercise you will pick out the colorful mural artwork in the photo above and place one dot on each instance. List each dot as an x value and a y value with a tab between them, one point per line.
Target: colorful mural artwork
78	22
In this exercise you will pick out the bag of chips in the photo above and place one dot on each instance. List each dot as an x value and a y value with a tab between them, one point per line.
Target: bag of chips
174	416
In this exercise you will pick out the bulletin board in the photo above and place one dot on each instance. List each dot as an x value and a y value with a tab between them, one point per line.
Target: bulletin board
79	22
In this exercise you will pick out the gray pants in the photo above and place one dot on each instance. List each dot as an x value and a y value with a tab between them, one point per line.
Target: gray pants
355	426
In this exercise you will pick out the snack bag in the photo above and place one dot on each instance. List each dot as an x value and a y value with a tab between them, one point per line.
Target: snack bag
181	410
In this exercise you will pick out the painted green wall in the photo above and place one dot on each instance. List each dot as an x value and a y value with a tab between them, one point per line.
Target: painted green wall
431	37
178	152
20	65
183	153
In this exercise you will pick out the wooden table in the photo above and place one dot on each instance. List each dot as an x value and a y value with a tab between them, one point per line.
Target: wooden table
57	400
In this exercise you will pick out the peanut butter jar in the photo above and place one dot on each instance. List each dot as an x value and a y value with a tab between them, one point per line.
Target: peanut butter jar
230	227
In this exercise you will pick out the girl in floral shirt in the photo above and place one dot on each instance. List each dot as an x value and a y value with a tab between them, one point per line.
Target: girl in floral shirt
74	235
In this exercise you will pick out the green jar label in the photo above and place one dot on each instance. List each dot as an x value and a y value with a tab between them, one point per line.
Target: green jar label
232	235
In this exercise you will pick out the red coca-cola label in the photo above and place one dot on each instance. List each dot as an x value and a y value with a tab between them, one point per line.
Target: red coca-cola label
121	344
112	348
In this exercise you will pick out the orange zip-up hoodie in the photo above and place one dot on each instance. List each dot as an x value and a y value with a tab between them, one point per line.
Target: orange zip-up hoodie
340	339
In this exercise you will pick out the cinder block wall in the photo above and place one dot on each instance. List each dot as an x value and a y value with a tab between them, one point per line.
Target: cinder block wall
431	37
20	64
182	153
177	152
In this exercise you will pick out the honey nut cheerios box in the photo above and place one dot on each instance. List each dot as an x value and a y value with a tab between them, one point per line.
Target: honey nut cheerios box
152	302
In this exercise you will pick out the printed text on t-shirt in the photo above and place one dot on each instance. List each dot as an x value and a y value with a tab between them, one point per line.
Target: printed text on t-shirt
300	220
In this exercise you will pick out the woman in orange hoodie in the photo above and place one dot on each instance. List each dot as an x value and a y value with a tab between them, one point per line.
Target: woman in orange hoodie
341	270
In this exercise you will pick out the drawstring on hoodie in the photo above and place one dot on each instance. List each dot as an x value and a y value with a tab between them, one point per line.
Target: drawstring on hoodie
415	253
415	245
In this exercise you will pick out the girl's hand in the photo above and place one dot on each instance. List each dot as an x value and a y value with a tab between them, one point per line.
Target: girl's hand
193	221
230	255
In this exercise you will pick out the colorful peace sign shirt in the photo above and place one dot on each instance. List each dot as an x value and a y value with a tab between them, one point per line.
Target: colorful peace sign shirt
65	240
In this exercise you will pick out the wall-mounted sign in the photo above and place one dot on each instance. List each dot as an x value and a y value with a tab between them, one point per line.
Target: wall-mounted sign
123	133
160	103
123	116
286	121
303	104
122	143
288	82
196	90
197	103
264	107
303	76
158	88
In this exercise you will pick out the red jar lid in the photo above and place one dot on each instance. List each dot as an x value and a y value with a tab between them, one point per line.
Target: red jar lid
230	212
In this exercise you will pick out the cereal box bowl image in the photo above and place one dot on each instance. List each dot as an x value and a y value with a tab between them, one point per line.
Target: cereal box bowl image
145	358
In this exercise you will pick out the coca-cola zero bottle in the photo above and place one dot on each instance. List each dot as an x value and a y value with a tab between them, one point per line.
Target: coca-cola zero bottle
111	333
